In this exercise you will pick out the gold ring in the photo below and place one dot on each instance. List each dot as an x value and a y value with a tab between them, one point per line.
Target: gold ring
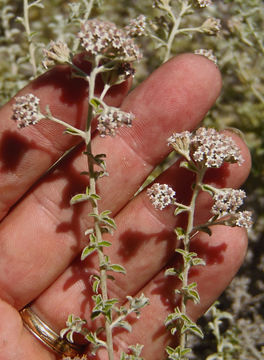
47	336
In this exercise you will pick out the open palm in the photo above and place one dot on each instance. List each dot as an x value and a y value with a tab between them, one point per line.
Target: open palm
41	235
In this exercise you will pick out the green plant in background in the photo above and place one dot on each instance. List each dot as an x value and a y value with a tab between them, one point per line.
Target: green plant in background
172	27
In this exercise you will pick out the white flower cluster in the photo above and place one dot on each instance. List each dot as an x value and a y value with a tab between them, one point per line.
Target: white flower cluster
111	119
136	27
26	110
161	195
227	201
204	3
243	219
212	148
207	53
57	52
103	37
206	147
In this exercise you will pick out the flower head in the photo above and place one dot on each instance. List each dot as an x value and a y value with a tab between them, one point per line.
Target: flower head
206	147
227	201
136	27
211	26
181	143
26	110
57	52
111	119
103	37
212	148
161	195
243	219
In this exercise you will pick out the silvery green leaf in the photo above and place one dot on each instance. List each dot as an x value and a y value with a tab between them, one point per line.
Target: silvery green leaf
205	229
69	337
188	166
117	268
198	261
104	243
79	198
88	232
171	272
180	209
124	324
88	250
96	103
180	232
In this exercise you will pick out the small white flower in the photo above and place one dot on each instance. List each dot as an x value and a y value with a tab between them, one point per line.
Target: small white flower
136	27
26	110
207	53
161	195
204	3
243	219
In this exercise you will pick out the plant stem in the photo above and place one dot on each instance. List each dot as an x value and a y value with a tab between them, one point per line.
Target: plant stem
176	24
92	176
31	44
186	243
77	131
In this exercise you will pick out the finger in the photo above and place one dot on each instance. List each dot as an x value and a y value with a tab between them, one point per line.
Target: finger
26	154
53	231
143	243
223	253
15	340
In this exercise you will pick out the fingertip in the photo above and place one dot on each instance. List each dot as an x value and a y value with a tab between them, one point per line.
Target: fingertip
201	69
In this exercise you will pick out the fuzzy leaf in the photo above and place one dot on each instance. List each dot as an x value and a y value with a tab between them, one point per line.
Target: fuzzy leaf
180	209
88	250
205	229
88	232
180	232
208	189
78	198
95	103
73	132
195	329
109	221
69	337
198	261
171	272
117	268
124	324
104	243
188	166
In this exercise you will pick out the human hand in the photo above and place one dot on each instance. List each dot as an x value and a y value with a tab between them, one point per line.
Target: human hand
41	235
